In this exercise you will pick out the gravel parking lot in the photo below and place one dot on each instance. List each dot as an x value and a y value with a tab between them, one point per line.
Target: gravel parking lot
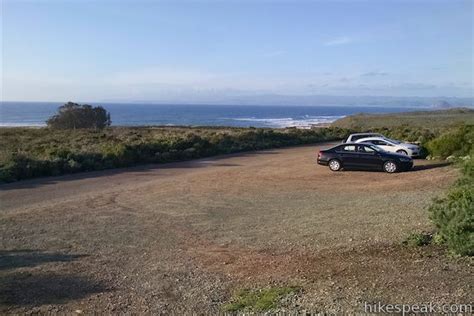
182	237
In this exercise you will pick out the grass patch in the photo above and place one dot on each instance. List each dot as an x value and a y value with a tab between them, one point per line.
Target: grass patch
258	300
418	239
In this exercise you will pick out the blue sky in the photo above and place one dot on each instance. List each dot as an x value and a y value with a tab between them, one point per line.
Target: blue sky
210	50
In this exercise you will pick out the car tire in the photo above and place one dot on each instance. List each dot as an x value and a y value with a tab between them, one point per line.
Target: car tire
390	166
402	152
334	165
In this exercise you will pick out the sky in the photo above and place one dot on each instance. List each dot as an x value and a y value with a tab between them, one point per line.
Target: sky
177	51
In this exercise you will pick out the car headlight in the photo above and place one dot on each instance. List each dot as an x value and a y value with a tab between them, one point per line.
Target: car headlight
405	159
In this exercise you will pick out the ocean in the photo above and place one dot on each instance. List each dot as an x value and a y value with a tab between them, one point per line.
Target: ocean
134	114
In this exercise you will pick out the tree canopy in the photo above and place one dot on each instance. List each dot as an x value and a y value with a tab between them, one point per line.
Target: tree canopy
72	115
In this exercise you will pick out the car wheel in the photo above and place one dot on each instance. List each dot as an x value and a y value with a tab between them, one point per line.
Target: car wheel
390	166
334	165
403	152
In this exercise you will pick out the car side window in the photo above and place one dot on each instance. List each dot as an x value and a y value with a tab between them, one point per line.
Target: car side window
349	148
366	149
379	142
357	137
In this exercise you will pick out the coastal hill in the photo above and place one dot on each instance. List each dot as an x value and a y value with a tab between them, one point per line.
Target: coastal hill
431	119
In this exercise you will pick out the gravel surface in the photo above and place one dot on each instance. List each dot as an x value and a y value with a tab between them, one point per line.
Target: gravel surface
182	237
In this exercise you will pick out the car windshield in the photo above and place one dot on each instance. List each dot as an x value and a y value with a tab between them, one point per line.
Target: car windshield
392	140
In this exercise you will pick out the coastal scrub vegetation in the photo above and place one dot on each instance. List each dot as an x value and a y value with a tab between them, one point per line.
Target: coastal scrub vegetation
453	213
36	152
432	120
456	142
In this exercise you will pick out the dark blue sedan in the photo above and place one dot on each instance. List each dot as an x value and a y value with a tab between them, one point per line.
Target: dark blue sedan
363	156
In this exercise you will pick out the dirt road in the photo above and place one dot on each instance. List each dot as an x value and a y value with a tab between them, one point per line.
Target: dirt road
181	237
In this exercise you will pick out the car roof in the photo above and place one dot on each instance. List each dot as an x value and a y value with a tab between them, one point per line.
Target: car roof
348	144
356	134
351	143
371	138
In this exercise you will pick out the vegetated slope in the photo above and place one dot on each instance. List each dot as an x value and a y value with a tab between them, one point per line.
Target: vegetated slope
453	214
29	152
431	119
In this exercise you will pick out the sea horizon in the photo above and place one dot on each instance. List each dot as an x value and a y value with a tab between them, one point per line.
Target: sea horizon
35	114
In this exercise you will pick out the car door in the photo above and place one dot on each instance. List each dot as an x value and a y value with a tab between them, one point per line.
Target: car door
348	155
368	158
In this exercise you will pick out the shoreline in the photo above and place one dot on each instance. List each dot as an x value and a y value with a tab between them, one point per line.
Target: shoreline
36	115
317	125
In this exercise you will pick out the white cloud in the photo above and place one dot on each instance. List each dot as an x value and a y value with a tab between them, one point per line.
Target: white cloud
339	41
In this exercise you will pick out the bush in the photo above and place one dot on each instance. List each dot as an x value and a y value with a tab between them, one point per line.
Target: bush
408	133
453	214
457	142
72	115
418	240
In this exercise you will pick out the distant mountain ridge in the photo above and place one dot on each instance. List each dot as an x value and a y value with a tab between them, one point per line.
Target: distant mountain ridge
322	100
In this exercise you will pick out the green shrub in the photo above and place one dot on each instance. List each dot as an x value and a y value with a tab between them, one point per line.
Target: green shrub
418	239
456	142
72	115
408	133
453	214
467	165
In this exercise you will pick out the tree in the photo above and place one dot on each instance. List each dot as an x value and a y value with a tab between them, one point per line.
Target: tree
72	115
